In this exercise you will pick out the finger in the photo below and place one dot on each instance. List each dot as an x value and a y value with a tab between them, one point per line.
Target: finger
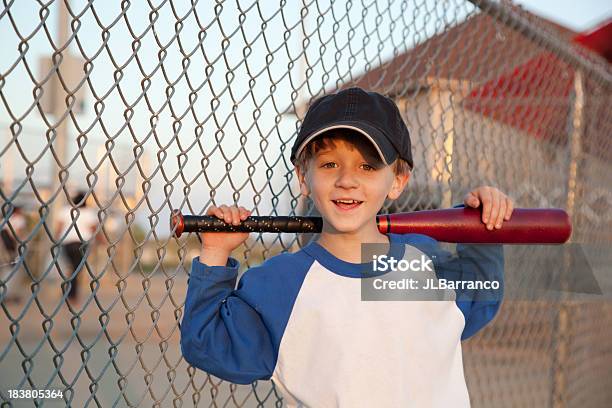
215	211
501	213
486	198
471	200
244	213
494	211
235	215
225	213
509	208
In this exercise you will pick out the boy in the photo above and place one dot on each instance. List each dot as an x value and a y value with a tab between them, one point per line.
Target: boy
299	318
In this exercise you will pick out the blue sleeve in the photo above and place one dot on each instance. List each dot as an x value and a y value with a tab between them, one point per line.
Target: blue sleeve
235	333
478	263
221	333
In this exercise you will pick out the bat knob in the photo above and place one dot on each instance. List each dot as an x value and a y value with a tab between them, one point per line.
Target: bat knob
177	223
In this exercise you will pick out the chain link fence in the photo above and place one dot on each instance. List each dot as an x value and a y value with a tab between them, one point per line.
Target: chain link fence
149	106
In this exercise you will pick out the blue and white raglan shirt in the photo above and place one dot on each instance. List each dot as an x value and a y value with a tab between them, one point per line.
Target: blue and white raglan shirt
299	319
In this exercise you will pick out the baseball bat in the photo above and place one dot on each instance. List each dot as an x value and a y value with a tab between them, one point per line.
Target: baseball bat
459	225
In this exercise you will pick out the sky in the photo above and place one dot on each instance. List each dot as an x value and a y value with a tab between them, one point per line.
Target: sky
579	15
246	136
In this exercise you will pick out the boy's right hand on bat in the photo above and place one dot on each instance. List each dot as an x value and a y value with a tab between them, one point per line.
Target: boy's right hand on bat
217	246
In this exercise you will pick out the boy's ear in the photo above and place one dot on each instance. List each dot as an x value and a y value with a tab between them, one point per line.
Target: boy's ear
301	179
399	183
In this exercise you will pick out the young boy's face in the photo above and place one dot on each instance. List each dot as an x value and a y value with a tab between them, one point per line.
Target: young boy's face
348	184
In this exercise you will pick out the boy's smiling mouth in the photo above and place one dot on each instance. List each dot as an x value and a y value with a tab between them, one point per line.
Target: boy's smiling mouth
347	203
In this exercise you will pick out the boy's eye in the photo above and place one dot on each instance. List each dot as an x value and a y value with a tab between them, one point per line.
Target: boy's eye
329	165
368	167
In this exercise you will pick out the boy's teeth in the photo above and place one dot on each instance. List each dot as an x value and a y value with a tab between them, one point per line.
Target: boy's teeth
347	201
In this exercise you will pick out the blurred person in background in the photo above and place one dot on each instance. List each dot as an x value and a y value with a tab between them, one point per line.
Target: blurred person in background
76	229
13	229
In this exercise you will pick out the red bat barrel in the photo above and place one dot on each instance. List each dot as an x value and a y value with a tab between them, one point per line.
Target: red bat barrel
460	225
464	225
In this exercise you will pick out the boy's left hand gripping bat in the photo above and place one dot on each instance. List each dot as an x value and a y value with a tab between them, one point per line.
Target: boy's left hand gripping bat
460	225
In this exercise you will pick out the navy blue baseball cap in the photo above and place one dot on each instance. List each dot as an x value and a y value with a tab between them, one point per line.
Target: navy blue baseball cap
373	115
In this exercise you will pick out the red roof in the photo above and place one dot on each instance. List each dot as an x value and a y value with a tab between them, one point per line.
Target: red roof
598	40
533	96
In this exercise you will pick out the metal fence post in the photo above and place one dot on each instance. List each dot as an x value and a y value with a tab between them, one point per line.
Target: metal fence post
563	320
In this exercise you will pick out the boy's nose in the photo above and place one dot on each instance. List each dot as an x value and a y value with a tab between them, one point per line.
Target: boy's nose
347	179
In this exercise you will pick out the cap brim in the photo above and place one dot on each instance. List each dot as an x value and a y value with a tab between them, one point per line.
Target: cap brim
385	149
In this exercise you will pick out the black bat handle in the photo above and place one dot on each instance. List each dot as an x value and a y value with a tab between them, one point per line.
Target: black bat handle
180	223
